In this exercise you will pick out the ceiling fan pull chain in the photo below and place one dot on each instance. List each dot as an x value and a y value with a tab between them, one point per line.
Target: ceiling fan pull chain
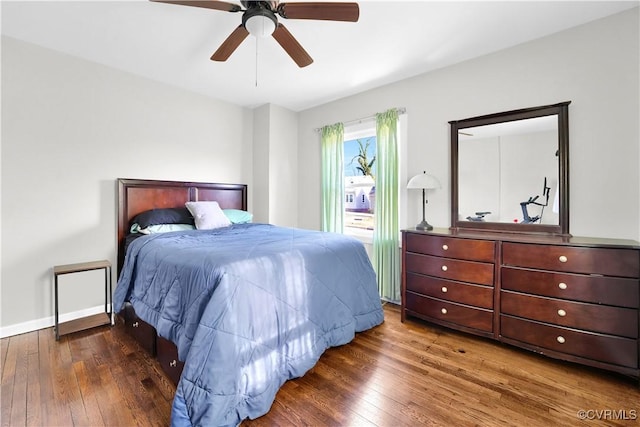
257	38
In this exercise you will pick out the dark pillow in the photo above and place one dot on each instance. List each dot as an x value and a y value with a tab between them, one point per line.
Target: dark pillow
163	216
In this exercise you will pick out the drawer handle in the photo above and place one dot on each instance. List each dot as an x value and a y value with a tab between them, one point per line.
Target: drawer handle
562	258
443	311
135	324
444	289
562	313
560	339
445	247
562	286
173	363
444	268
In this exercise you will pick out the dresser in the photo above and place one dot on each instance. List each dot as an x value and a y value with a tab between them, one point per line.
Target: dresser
570	298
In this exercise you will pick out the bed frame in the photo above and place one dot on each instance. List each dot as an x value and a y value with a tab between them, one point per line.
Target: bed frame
138	195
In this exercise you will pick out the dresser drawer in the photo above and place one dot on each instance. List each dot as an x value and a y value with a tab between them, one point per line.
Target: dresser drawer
464	293
613	262
590	317
459	314
453	269
143	333
469	249
168	358
579	287
603	348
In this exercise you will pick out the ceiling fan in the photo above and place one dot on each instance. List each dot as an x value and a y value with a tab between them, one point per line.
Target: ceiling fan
260	19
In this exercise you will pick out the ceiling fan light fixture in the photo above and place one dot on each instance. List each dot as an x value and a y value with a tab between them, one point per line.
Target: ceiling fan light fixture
259	22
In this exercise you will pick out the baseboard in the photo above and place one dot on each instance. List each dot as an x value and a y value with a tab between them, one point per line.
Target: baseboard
47	322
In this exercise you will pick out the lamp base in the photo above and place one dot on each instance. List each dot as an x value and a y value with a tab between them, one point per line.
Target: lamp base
424	225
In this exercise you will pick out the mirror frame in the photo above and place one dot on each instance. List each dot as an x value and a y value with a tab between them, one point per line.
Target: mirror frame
562	111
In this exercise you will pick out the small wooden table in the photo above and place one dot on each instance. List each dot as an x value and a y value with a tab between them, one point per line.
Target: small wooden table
99	319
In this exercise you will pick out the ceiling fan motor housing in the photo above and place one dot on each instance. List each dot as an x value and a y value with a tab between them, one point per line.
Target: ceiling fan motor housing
251	3
259	20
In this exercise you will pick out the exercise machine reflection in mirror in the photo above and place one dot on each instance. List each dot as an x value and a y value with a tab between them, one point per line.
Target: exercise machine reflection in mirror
479	216
526	219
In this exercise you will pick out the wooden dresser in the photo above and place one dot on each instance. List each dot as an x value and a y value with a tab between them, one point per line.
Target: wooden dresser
571	298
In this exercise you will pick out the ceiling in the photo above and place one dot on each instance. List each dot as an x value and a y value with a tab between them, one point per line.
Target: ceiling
392	40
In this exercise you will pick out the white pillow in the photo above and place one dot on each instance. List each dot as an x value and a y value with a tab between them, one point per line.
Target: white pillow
207	215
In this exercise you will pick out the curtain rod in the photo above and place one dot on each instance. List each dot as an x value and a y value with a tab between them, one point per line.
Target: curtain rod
400	110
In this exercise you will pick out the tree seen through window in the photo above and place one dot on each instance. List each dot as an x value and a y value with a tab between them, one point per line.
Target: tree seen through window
360	189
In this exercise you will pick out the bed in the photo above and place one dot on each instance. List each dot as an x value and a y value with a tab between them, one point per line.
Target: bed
244	306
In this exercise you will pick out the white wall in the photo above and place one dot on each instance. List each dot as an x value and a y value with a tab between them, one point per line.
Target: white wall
283	167
596	66
275	133
70	128
261	164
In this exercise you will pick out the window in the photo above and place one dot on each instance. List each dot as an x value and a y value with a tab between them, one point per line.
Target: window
359	181
361	224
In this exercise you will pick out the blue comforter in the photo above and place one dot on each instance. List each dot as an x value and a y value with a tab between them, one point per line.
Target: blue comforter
249	306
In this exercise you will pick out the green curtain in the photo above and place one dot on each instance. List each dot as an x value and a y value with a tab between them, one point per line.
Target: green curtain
333	178
386	257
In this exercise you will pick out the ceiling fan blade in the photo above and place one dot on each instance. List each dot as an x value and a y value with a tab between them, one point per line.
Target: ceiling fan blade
320	10
230	44
291	46
207	4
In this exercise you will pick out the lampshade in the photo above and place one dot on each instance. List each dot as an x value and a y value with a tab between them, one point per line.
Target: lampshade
260	25
423	181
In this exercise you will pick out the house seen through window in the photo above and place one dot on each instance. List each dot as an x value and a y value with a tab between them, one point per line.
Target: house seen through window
359	183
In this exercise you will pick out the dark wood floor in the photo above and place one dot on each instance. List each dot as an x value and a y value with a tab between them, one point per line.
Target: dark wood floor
394	375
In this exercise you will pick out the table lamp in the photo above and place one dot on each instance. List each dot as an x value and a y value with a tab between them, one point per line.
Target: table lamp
425	182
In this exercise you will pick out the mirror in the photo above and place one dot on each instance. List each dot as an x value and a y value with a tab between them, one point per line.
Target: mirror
510	171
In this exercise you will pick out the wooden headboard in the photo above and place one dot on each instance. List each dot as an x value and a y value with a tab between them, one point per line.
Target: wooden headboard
139	195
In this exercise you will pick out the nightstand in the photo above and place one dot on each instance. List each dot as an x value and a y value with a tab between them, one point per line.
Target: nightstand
99	319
